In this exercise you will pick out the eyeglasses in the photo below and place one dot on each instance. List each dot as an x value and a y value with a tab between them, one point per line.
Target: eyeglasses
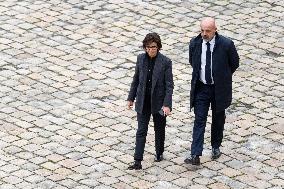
151	47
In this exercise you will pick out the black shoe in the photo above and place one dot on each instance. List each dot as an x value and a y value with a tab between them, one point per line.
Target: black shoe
194	160
136	166
216	153
159	158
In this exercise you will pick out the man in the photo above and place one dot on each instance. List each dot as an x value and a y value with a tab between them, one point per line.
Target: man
214	59
152	87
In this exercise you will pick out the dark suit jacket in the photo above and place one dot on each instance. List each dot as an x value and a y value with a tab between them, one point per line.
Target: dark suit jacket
225	60
162	83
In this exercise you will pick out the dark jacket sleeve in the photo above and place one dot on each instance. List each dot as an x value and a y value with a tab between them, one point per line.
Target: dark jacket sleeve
134	84
233	57
169	85
190	51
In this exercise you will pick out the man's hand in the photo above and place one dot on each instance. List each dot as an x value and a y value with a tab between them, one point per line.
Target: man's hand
129	105
166	110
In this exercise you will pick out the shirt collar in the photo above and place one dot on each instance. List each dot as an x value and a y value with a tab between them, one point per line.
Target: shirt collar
151	59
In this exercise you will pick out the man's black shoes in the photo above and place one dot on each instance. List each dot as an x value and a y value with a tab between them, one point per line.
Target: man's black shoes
216	153
194	160
136	165
159	158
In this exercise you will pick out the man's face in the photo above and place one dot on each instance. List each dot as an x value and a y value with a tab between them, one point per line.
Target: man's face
152	49
207	31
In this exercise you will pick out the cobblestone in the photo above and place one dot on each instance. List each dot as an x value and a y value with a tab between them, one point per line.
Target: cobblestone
66	68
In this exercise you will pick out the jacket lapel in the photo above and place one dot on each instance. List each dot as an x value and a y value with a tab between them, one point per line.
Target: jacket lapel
156	71
199	51
213	53
144	68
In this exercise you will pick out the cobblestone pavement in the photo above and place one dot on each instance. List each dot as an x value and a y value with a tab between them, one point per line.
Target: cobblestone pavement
65	71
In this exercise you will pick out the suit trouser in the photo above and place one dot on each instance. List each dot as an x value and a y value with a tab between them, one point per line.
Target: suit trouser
159	128
205	96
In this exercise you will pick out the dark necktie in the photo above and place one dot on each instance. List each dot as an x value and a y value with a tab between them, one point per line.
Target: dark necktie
208	65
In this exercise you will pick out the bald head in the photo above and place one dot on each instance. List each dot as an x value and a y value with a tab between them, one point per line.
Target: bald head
208	28
208	22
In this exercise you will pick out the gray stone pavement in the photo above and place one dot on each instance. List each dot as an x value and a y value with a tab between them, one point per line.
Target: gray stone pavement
65	71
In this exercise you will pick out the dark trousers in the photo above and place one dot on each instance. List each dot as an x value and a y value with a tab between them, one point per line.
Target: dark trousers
205	96
159	128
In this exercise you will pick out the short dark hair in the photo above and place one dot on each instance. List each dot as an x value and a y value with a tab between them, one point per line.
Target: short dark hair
152	37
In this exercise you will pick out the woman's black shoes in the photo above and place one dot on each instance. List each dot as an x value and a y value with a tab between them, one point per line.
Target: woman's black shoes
159	158
136	165
216	153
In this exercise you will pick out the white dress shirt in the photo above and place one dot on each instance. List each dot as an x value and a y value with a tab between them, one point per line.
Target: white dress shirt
203	60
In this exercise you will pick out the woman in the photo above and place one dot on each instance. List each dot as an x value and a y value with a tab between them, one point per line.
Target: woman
151	89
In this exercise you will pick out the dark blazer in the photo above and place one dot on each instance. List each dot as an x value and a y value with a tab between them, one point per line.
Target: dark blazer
225	60
162	83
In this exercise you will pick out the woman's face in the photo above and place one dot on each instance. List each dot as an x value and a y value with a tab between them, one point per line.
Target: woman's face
152	49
